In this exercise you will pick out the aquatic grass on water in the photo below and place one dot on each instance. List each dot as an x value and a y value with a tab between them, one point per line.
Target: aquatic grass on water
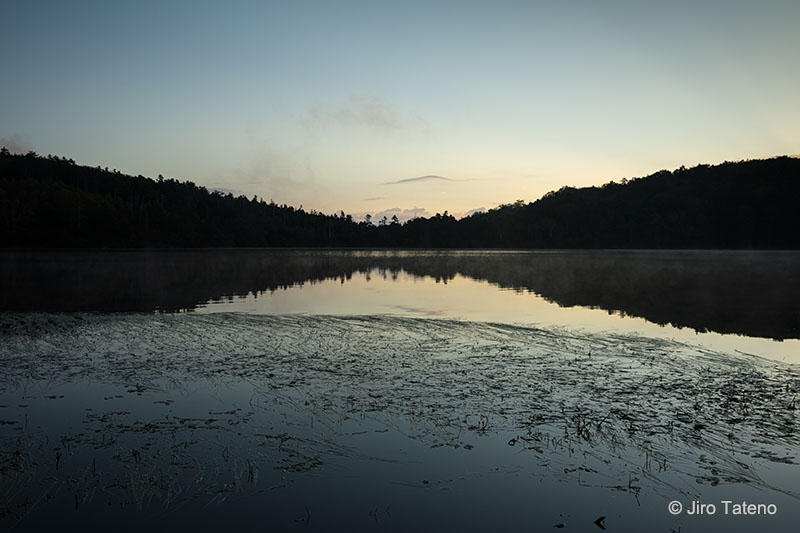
163	411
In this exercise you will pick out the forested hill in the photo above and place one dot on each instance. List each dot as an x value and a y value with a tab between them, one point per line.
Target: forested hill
52	202
742	205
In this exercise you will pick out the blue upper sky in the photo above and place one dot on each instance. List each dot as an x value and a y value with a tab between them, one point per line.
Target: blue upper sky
335	105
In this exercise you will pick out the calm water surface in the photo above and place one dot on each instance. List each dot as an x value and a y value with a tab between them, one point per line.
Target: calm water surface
372	390
734	301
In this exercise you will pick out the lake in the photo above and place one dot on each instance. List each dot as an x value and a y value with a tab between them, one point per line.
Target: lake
395	390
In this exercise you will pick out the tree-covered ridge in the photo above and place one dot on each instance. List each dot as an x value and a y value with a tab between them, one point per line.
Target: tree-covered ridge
52	202
735	205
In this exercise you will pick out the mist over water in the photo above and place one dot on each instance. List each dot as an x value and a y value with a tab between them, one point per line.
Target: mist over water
741	301
364	390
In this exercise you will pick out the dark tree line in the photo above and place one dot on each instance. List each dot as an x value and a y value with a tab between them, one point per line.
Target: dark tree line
743	205
52	202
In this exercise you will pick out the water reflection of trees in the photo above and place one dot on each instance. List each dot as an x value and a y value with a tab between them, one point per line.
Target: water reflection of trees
745	293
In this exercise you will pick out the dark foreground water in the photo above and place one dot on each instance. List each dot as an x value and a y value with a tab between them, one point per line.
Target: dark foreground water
366	391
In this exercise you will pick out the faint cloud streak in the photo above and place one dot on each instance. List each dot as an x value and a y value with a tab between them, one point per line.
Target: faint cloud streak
403	215
15	144
419	179
225	191
358	110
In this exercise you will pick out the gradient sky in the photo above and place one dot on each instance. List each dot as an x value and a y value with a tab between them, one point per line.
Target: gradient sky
338	105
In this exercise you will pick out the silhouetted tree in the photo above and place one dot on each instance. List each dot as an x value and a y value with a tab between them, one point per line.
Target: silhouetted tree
51	201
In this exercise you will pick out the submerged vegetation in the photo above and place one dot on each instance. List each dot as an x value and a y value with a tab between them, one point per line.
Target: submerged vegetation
52	202
176	414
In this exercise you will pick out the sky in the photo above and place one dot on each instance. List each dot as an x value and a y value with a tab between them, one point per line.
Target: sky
407	108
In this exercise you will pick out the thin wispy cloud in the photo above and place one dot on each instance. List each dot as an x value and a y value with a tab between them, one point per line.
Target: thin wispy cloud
473	211
374	198
358	110
405	214
277	175
15	144
225	190
419	179
402	214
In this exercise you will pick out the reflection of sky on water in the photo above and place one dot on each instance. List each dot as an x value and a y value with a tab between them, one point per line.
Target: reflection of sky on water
407	423
740	298
403	294
316	394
